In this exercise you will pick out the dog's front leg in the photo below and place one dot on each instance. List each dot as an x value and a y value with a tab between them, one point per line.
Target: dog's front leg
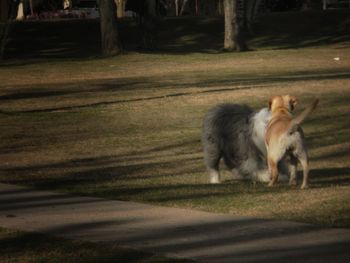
273	170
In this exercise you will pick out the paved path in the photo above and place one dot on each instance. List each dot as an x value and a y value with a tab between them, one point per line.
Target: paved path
206	237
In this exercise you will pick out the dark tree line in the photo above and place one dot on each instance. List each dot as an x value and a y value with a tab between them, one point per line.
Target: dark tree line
238	16
237	13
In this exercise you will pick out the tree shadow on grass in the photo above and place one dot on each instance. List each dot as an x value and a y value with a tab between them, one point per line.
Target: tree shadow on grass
101	87
327	177
177	158
42	248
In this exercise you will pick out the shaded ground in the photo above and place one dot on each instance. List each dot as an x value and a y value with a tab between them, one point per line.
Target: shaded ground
16	246
202	236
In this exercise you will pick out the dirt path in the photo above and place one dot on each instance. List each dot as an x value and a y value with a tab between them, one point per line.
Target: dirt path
202	236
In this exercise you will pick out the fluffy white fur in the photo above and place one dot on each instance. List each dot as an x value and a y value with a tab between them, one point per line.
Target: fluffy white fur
260	121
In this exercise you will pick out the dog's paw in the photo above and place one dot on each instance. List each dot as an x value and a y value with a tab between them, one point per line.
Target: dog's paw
271	184
304	186
214	182
262	176
214	177
293	182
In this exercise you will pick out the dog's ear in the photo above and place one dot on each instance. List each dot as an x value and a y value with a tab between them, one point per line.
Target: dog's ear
293	101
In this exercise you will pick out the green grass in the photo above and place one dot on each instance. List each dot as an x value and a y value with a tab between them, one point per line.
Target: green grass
27	247
129	127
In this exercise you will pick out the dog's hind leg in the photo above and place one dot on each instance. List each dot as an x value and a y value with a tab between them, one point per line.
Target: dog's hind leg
305	164
300	153
212	158
293	165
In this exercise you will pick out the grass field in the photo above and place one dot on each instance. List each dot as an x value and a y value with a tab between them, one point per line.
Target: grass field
30	247
129	127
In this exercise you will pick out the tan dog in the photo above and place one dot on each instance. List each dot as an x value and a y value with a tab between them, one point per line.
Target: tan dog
284	138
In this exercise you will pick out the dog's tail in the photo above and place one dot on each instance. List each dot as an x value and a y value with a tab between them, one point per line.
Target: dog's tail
294	124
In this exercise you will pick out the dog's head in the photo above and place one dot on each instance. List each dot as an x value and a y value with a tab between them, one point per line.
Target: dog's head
286	101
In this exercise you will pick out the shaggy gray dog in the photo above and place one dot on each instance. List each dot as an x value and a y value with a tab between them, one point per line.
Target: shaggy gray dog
236	133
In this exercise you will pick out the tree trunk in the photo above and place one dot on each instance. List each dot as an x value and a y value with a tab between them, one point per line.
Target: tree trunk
240	25
184	3
120	8
67	4
229	44
177	7
149	26
110	39
197	7
6	13
151	7
31	8
4	10
220	7
20	11
234	27
252	9
209	8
